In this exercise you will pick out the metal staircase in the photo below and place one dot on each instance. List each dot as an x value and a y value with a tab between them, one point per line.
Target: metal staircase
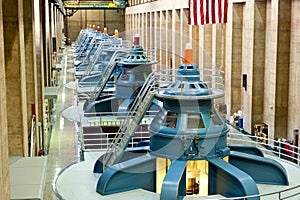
102	46
131	122
107	72
92	93
88	54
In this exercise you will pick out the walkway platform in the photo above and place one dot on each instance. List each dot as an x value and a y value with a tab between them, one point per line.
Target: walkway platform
27	177
79	182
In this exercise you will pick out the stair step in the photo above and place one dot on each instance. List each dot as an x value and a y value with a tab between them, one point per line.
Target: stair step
129	125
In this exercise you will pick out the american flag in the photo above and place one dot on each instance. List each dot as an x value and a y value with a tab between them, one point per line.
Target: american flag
207	12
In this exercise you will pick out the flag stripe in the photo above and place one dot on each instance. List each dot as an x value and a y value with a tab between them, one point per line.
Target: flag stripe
225	11
189	13
207	11
202	12
213	10
220	11
195	13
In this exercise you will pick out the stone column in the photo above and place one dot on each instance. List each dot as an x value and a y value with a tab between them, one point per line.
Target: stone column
157	38
277	67
150	30
253	62
163	42
294	79
31	68
185	30
169	41
128	27
196	44
40	44
147	30
176	29
66	27
143	27
58	30
233	57
205	41
15	71
283	62
140	26
218	46
47	43
52	24
136	25
4	164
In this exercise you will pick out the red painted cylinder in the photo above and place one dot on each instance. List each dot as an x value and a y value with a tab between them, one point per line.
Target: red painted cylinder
136	40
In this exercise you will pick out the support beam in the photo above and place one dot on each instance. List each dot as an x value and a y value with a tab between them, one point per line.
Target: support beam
228	180
174	184
132	174
262	170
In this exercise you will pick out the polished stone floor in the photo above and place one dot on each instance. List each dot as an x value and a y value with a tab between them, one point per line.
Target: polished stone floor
64	148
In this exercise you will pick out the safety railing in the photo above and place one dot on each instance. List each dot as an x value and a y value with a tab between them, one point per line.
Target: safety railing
281	149
279	195
286	152
85	90
107	72
95	58
92	84
150	56
100	55
93	126
214	79
126	44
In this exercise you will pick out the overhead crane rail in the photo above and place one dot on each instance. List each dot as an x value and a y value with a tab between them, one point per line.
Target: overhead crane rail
95	4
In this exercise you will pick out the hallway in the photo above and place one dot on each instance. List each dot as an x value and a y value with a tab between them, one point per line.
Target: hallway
64	148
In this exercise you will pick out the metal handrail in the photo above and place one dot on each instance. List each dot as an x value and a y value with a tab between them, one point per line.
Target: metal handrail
97	120
101	48
265	195
32	134
269	148
106	73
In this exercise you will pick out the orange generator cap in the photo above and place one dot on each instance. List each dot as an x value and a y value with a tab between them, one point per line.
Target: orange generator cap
188	54
116	33
105	30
